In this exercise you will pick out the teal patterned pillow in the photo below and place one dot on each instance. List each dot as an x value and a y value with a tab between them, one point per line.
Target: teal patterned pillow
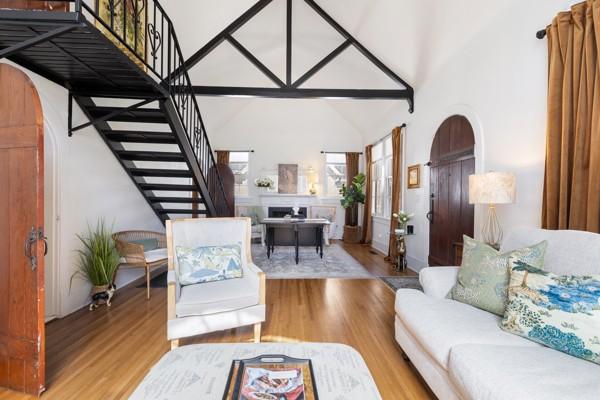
484	274
209	263
561	312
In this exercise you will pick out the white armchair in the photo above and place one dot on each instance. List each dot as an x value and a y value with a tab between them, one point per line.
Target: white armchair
213	306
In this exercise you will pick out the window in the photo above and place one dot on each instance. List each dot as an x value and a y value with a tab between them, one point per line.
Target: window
335	173
239	162
381	173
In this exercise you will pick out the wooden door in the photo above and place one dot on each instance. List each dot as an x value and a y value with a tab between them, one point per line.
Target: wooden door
451	215
21	231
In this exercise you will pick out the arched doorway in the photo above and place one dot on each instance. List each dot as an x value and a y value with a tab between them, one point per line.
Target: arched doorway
452	160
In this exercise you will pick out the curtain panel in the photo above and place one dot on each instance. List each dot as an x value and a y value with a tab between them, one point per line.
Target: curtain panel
351	172
396	187
367	231
571	198
223	157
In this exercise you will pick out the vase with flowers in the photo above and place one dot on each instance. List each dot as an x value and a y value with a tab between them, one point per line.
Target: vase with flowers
402	218
264	184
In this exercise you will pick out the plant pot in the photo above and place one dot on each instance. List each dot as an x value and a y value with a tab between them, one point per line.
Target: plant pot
352	234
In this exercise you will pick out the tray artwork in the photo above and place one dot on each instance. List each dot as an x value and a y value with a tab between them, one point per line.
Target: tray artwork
271	377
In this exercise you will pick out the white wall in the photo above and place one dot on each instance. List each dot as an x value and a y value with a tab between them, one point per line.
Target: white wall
496	77
89	184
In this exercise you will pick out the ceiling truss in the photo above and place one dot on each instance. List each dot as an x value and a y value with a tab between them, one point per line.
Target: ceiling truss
289	88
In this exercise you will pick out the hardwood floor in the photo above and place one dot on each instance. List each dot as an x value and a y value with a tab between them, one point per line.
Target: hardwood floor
104	354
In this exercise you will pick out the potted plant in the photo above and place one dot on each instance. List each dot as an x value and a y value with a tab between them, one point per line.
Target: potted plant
97	263
352	196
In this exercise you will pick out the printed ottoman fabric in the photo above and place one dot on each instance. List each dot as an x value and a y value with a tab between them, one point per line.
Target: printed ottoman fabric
561	312
209	263
484	274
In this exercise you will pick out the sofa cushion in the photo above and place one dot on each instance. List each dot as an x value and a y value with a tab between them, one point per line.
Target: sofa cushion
484	274
562	312
216	297
485	372
569	252
441	324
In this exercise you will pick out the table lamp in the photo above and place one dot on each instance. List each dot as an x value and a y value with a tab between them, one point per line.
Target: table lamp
492	188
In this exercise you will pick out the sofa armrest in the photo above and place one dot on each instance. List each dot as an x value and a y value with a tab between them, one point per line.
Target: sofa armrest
437	281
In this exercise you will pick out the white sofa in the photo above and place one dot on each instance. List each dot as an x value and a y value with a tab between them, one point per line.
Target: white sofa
463	354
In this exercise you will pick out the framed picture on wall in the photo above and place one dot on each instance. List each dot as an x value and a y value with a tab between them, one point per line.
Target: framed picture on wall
414	176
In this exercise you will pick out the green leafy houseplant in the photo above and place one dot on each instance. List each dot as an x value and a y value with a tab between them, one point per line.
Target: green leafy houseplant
352	196
99	258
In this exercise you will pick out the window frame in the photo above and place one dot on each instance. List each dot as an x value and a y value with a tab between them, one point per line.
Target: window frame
237	191
385	163
326	185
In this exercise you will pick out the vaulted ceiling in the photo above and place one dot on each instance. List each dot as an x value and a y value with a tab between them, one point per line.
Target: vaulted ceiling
413	38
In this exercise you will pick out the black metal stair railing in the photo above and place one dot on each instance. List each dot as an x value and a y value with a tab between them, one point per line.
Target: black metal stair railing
143	29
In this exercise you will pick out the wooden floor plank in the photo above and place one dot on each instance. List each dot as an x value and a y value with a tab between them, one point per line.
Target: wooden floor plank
104	354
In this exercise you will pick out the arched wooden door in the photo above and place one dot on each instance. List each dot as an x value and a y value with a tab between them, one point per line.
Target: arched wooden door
21	233
450	216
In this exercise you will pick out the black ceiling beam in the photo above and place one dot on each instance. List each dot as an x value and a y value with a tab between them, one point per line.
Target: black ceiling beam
288	44
228	31
255	61
336	52
300	93
357	44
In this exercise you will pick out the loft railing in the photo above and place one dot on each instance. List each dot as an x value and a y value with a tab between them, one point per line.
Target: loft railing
145	32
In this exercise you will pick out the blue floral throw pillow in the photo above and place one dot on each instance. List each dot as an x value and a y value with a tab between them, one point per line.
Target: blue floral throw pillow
561	312
209	263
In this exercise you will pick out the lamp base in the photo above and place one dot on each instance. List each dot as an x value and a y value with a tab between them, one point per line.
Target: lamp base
491	232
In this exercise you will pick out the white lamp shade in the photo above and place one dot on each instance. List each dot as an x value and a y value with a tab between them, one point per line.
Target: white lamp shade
492	188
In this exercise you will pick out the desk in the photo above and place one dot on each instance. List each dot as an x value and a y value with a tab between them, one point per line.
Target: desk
295	225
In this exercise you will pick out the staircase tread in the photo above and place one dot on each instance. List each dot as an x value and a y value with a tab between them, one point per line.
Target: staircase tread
181	173
184	200
145	155
168	186
179	211
140	136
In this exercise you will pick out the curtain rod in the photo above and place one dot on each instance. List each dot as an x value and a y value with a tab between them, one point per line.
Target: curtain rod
338	152
238	151
385	137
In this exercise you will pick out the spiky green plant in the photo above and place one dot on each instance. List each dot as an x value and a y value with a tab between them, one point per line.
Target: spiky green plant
99	258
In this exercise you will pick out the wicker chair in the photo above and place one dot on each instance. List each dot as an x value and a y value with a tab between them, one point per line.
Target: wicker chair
133	255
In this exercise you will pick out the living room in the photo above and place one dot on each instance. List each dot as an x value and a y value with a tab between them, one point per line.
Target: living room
344	148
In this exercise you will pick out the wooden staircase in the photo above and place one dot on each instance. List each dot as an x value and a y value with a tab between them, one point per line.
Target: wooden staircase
140	101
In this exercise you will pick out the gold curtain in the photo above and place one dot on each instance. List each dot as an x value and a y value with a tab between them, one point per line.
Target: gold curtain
367	232
571	198
223	157
351	172
396	186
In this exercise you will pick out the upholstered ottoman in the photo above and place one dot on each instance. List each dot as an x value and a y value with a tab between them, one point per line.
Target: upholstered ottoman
200	371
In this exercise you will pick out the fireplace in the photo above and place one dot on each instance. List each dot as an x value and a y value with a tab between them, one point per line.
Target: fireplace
280	212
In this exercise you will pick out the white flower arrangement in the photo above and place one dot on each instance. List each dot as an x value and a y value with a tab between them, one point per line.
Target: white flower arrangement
402	217
264	183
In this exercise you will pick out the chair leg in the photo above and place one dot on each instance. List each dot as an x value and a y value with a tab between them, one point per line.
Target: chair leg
174	344
257	328
147	282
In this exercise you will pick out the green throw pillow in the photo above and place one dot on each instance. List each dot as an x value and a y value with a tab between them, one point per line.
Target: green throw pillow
148	244
561	312
209	263
484	274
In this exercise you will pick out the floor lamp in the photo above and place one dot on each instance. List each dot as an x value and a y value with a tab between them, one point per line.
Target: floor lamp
492	188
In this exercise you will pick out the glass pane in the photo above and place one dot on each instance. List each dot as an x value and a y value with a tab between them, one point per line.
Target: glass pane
377	151
336	177
388	146
335	158
239	156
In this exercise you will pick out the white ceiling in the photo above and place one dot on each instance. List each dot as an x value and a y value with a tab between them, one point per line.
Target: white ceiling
414	38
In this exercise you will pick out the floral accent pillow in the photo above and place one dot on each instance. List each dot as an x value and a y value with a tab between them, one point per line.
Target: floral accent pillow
561	312
484	274
209	263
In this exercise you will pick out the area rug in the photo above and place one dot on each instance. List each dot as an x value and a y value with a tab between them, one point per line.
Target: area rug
402	282
336	263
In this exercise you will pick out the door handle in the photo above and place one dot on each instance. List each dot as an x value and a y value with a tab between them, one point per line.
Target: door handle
430	213
34	236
